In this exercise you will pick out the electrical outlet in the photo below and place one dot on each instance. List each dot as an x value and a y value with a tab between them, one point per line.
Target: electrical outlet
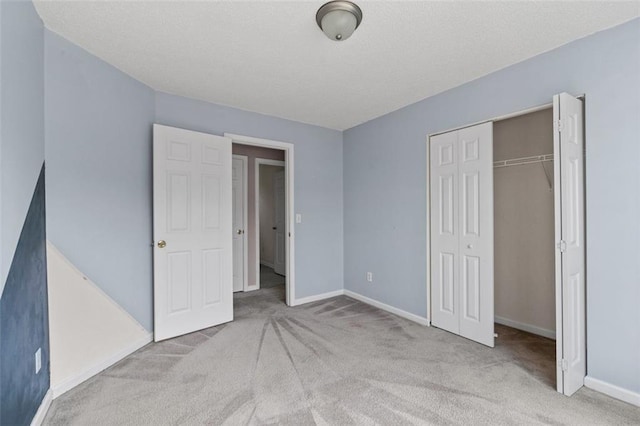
38	360
370	277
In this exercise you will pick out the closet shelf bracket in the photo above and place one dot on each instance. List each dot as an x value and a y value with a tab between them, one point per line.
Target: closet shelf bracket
528	160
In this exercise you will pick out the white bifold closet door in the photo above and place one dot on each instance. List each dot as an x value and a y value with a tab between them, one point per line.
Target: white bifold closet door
192	258
461	214
570	233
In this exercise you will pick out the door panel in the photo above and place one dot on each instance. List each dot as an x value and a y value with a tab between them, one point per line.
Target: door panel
446	284
470	196
444	231
179	281
211	202
569	141
211	271
179	200
447	198
192	214
572	200
476	236
239	235
279	261
471	288
461	217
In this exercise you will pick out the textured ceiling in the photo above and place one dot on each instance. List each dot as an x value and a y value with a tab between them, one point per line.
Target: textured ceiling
270	57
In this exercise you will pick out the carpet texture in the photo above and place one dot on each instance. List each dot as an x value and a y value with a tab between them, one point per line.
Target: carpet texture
268	278
333	362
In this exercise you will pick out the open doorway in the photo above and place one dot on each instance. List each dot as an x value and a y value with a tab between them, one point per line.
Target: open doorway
524	249
202	226
262	213
270	218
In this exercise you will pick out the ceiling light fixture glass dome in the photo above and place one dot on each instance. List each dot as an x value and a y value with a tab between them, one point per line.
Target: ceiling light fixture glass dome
339	19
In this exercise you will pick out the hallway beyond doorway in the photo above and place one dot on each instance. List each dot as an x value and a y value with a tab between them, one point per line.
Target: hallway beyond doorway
268	278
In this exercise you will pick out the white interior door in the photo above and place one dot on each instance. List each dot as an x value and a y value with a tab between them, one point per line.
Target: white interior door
279	254
239	197
461	223
475	170
569	154
192	231
444	232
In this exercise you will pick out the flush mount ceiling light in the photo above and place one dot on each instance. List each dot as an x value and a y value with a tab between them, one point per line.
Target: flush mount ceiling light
339	19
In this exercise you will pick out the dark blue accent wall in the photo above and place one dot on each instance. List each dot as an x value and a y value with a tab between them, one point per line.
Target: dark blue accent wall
24	320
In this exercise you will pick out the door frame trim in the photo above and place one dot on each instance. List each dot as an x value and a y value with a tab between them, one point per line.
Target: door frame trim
258	162
245	218
288	149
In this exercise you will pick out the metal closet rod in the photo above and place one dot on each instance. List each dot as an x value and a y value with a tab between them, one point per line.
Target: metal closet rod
522	160
528	160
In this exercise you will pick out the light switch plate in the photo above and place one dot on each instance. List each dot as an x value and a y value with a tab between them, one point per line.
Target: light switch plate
298	218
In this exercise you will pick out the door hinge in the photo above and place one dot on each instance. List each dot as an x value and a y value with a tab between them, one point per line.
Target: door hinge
563	364
558	125
562	246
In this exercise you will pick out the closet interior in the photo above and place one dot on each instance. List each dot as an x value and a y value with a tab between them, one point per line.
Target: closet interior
524	248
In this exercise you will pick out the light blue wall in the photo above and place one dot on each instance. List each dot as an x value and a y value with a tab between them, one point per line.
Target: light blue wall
98	153
318	181
23	285
22	125
385	186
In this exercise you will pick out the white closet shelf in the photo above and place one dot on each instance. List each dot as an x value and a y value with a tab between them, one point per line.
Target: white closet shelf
523	160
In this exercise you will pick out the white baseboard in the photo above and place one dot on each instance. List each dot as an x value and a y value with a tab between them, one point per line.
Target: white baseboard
42	410
549	334
404	314
613	391
99	366
317	297
267	264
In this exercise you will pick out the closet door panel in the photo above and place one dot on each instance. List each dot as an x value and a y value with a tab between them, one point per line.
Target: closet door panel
470	197
569	140
476	233
471	288
444	224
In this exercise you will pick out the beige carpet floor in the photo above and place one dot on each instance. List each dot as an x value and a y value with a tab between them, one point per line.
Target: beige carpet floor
333	362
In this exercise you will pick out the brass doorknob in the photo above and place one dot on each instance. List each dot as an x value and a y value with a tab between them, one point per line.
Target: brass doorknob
162	244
